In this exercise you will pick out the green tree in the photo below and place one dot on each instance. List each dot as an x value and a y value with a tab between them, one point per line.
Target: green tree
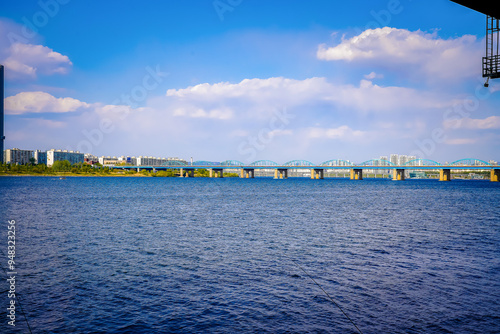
202	173
61	166
164	173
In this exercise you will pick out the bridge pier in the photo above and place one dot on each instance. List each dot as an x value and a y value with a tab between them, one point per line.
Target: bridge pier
189	173
216	172
317	174
445	175
281	173
356	174
495	175
247	173
398	174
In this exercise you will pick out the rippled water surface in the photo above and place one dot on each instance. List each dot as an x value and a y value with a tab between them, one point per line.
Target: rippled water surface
170	255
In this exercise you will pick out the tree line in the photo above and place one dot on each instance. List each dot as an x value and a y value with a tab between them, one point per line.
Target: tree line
65	167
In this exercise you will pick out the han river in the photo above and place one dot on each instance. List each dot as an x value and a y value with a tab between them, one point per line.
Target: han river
200	255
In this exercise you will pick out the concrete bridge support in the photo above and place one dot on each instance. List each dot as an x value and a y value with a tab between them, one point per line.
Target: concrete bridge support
495	175
187	172
281	173
445	175
247	173
216	172
356	174
398	175
317	174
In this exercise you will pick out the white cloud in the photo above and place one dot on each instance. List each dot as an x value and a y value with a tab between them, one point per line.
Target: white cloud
368	97
218	113
415	51
373	75
38	102
492	122
25	61
260	97
343	132
28	61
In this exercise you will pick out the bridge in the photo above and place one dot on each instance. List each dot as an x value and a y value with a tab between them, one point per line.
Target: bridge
317	171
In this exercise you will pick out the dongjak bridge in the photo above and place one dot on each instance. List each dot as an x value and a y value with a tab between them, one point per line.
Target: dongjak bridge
281	171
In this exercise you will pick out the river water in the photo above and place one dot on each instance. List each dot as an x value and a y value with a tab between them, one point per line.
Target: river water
171	255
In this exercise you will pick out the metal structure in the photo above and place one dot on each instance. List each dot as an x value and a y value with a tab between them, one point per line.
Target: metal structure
469	162
281	171
492	58
174	163
2	137
205	163
491	68
487	7
298	163
264	163
232	163
422	162
376	163
336	162
330	164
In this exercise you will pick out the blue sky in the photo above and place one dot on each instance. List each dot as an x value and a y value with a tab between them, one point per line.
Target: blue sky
249	80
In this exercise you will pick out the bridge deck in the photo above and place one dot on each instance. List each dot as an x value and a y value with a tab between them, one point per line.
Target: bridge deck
463	167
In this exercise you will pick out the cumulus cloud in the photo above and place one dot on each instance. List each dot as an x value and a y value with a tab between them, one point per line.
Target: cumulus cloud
318	112
259	96
26	61
40	102
260	88
404	50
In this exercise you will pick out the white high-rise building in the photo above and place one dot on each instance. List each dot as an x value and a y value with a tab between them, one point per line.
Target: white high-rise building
394	159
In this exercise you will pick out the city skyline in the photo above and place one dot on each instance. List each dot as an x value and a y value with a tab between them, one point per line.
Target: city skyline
250	81
20	156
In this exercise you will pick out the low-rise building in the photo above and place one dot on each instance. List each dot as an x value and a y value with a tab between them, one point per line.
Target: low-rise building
90	159
108	161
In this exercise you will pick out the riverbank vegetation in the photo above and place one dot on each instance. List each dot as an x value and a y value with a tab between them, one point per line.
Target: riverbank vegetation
64	168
